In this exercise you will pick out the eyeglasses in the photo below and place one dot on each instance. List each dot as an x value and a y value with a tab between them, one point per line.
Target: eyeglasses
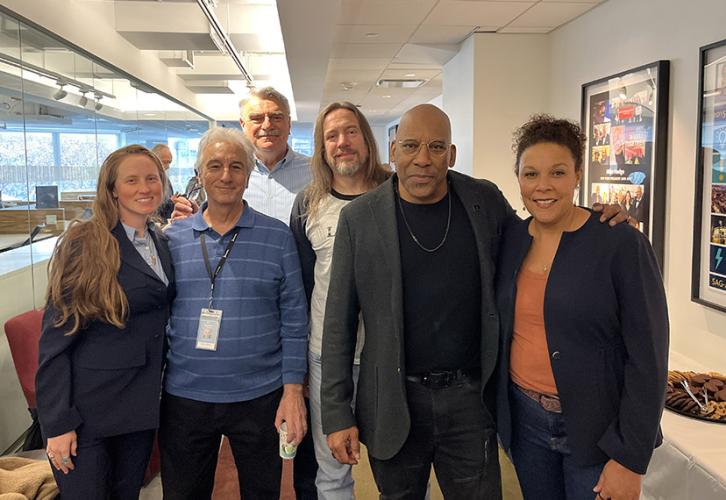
260	117
436	148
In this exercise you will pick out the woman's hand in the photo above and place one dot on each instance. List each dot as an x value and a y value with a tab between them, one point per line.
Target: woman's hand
618	483
60	449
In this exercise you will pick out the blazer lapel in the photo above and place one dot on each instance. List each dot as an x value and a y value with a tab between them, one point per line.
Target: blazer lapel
383	210
129	254
476	210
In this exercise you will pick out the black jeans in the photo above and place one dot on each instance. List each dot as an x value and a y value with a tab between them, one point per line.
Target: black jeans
189	438
107	468
451	429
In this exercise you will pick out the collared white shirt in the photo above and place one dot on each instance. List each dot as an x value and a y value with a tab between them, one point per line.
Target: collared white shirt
147	249
273	193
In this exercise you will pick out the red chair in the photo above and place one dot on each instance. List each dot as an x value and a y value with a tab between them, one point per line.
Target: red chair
23	333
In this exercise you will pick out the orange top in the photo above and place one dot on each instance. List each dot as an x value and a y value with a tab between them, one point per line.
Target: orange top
529	362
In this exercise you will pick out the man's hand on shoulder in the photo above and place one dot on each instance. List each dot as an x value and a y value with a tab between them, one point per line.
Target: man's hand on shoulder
183	207
345	445
614	213
292	411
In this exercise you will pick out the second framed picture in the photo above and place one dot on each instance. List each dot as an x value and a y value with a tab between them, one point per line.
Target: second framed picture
625	118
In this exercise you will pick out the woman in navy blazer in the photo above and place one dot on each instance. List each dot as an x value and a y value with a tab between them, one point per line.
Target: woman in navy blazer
583	311
101	349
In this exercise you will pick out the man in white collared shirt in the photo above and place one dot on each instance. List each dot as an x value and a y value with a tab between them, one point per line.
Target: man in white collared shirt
280	173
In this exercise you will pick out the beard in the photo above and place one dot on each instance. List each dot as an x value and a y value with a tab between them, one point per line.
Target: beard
347	168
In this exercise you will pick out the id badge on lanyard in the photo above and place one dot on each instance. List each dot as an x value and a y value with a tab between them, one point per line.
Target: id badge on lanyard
210	320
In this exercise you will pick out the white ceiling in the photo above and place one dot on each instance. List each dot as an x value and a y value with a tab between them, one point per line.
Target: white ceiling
334	49
395	39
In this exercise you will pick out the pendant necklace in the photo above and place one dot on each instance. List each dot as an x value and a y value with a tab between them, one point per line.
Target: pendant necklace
410	232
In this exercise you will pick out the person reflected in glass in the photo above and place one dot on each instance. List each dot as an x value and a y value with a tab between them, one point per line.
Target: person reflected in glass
101	348
584	333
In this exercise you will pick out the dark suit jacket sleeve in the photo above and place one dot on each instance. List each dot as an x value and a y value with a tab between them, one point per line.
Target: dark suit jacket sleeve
631	437
298	220
339	334
53	381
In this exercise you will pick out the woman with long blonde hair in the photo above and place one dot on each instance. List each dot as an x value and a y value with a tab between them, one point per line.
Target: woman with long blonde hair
101	349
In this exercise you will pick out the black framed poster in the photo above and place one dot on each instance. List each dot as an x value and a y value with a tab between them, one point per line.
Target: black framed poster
709	235
625	119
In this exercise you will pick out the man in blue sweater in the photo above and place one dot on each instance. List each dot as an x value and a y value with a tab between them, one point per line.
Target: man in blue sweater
237	336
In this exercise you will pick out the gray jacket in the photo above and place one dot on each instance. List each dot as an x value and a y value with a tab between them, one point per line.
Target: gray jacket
366	277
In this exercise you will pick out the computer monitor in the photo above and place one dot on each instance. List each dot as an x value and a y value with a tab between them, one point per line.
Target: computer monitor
46	196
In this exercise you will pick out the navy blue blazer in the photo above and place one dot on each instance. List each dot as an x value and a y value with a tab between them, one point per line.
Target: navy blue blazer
607	327
105	381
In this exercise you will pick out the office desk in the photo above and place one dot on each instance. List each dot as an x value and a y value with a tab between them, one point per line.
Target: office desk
691	463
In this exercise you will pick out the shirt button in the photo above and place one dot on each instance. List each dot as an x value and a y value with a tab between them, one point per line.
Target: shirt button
556	355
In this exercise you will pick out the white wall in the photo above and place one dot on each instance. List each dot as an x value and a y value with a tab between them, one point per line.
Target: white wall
458	103
491	87
621	34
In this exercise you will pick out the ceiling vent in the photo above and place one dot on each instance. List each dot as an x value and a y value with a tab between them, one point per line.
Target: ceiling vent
400	83
177	58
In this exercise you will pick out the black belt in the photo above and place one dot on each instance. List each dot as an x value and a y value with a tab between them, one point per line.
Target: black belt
439	379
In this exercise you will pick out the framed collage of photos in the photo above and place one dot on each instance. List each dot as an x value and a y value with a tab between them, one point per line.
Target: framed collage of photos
625	118
709	236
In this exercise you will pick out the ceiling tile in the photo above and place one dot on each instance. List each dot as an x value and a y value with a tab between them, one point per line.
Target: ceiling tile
429	33
463	12
359	33
550	14
368	63
410	12
526	29
365	50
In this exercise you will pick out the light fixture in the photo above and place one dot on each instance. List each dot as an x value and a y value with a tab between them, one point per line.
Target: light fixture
98	104
61	80
372	35
207	6
60	93
83	100
400	83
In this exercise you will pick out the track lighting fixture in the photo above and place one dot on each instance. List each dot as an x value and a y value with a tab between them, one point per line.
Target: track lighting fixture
60	93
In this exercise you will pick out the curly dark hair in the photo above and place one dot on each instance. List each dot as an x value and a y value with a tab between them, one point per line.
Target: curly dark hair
546	128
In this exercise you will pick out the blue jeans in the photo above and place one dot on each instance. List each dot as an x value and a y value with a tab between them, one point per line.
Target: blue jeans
542	456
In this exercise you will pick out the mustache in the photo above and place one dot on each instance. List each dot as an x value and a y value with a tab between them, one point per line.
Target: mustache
267	133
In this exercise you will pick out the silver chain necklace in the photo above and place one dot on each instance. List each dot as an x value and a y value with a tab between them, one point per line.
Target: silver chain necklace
413	237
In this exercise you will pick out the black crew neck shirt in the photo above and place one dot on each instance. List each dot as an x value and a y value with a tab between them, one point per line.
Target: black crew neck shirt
441	289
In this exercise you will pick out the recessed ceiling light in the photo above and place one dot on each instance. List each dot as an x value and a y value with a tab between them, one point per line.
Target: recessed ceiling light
386	96
399	83
372	35
409	75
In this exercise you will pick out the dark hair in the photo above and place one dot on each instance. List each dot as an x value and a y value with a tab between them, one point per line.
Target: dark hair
546	128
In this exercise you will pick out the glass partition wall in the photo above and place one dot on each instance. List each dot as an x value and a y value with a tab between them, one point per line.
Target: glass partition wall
61	114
